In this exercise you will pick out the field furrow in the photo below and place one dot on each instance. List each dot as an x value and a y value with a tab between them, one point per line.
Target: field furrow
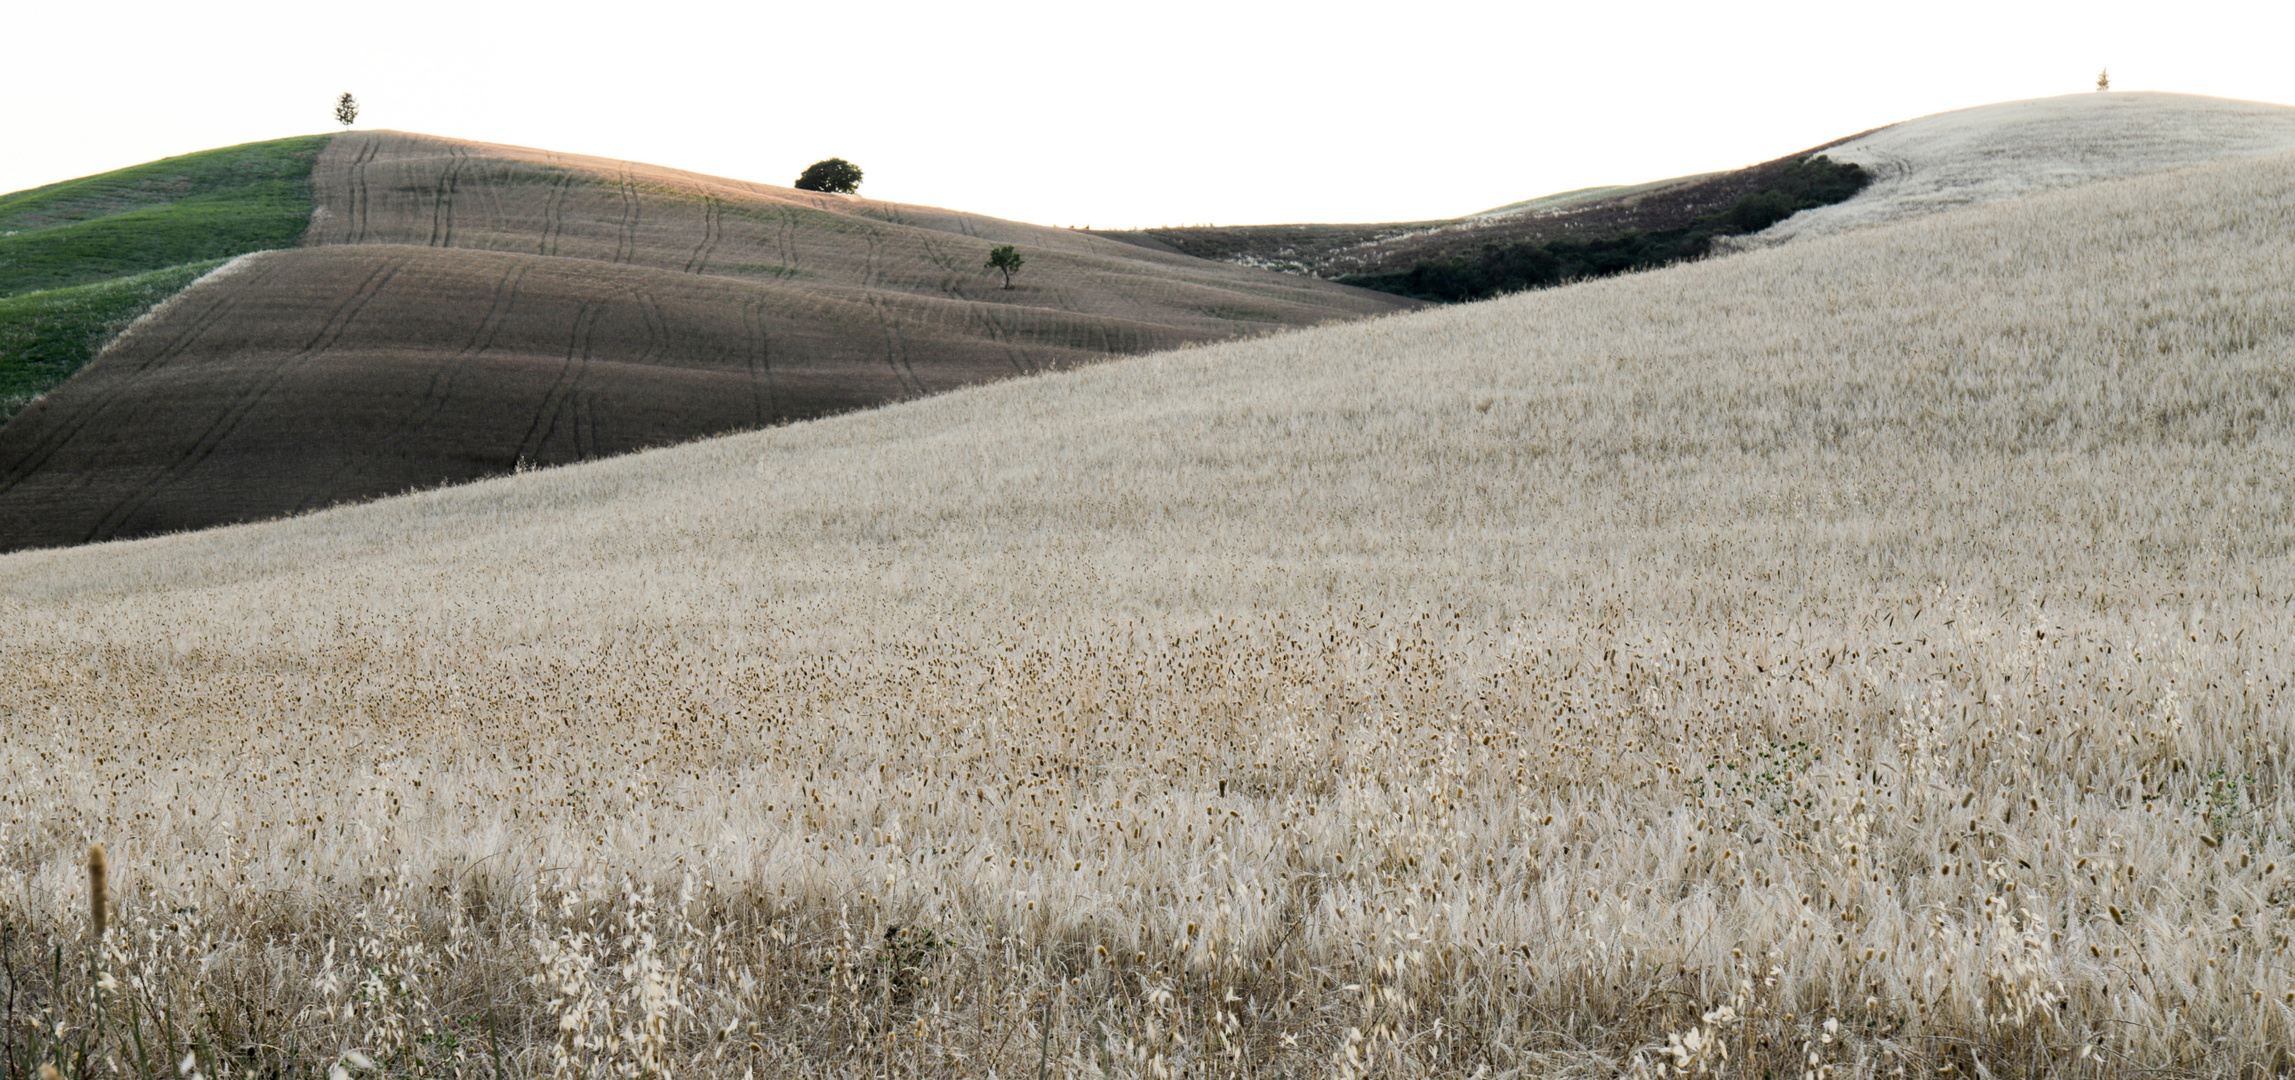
757	353
712	227
189	317
856	299
227	419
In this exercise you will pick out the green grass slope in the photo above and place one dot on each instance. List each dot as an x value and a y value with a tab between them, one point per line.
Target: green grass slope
82	258
47	335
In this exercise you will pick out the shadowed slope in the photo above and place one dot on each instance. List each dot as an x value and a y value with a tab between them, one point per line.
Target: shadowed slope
458	309
1333	251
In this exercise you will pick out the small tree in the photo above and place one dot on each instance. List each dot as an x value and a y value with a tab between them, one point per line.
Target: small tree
1007	259
2103	80
346	109
832	175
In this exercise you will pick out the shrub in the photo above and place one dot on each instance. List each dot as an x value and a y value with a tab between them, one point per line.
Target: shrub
835	175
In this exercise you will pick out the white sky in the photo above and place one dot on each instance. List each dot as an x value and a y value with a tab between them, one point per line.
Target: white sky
1074	113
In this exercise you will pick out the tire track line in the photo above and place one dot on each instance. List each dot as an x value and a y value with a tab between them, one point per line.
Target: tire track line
764	401
896	347
585	424
712	227
442	204
872	273
222	427
1002	336
625	247
112	387
787	240
438	395
545	422
951	284
361	199
554	209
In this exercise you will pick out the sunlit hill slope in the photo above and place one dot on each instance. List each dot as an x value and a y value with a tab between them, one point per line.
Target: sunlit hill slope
1870	653
456	309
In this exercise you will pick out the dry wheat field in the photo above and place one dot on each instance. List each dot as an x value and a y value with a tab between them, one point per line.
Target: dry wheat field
1866	657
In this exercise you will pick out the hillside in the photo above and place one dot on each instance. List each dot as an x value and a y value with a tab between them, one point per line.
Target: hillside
1868	651
1930	165
2009	150
458	310
1340	250
80	260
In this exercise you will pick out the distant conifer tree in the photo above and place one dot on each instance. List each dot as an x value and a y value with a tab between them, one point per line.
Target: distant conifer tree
1007	259
2103	80
346	109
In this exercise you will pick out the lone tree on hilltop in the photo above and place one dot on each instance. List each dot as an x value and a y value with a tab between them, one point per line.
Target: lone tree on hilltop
1007	259
834	175
2103	80
346	109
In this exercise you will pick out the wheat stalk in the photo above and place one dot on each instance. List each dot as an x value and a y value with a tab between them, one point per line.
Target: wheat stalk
99	892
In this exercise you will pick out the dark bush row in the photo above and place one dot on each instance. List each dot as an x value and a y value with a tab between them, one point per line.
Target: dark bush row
1809	182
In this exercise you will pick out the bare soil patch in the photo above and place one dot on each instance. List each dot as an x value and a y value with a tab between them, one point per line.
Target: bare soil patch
459	310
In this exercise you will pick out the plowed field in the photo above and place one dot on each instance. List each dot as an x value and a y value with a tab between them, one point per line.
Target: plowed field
458	310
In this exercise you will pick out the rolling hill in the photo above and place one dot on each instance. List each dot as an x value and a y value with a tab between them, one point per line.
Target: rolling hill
1869	652
1924	166
1342	250
2016	148
82	259
456	310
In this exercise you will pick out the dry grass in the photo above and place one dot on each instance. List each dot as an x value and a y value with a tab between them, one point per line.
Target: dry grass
2014	149
1865	655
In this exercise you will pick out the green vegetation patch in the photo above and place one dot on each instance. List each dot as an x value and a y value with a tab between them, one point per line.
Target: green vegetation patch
1804	184
194	208
46	336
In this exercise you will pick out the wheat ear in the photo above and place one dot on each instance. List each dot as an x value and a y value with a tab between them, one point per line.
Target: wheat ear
99	876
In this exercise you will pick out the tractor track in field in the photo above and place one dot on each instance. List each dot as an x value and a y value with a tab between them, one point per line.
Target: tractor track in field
896	347
233	410
554	209
440	391
757	351
625	243
951	286
362	200
578	343
873	264
785	238
991	320
223	426
115	388
442	202
712	230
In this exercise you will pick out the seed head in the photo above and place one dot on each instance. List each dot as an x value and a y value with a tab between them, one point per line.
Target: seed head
99	889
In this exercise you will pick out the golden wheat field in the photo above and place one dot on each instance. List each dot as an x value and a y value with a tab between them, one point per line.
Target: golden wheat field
1866	657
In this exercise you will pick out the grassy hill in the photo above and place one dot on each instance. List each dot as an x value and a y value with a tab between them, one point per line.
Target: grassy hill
81	259
450	310
1869	650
